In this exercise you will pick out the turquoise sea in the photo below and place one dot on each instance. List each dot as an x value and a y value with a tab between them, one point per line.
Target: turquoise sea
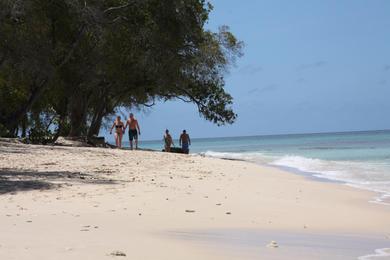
359	159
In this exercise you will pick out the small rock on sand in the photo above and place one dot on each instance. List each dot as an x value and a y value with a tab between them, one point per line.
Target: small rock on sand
190	210
228	213
118	253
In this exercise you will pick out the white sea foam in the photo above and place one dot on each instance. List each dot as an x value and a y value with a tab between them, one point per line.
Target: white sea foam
364	175
256	157
379	254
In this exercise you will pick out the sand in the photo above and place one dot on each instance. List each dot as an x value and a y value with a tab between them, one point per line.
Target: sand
95	203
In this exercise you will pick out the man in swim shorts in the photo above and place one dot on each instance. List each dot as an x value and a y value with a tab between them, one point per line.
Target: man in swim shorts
168	141
185	142
134	130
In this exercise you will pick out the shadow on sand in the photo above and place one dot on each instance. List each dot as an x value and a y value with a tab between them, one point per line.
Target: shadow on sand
12	180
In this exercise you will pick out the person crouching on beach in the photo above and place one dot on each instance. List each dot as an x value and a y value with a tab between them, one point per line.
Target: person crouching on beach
119	128
185	142
168	141
134	130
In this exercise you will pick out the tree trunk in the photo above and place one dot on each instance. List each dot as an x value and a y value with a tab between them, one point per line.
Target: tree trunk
78	115
13	120
100	111
96	123
24	126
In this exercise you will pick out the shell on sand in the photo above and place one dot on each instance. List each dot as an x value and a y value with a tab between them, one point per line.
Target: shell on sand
273	244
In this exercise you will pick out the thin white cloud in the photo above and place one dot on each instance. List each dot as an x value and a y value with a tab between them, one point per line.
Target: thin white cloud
382	82
314	65
261	90
251	69
300	80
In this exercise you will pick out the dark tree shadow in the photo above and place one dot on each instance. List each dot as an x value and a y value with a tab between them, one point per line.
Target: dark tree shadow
12	180
7	186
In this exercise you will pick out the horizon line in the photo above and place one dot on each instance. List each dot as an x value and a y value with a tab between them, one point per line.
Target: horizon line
287	134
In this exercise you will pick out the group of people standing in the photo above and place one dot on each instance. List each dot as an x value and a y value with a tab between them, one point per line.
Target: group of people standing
184	142
134	132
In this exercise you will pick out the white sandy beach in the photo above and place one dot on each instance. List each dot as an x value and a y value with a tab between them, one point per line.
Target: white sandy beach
88	203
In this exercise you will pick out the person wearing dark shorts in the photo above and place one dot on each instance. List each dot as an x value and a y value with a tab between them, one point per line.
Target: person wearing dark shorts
134	130
133	134
185	142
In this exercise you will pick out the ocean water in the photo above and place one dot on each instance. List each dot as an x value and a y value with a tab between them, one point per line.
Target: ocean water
358	159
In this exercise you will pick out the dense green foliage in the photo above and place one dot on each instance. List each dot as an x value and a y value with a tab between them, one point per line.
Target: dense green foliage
72	63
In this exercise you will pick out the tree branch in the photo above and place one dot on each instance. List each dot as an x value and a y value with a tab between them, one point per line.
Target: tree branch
73	48
116	8
2	59
183	99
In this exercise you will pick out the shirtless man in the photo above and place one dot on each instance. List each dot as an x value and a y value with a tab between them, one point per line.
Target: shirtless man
134	130
185	142
168	141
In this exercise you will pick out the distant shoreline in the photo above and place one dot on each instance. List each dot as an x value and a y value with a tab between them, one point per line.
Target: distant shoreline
275	135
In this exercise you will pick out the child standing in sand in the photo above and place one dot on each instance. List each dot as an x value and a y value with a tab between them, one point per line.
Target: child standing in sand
119	129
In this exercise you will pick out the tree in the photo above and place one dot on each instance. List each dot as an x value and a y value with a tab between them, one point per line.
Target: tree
77	61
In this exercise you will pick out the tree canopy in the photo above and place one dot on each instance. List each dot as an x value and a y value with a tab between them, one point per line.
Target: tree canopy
72	63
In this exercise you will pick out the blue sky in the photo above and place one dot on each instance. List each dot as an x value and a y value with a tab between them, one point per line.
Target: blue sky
308	66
